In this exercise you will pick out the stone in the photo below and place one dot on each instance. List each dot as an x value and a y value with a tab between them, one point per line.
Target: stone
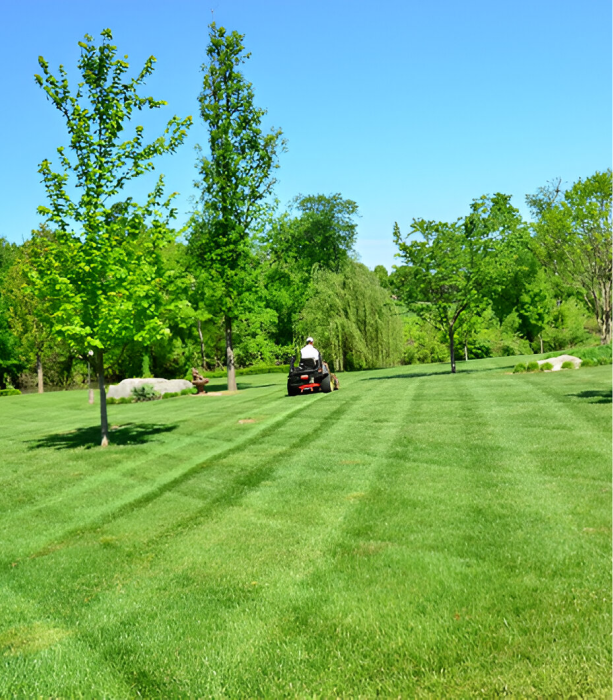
123	390
556	362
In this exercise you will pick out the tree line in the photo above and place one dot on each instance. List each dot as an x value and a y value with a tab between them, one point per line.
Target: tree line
110	282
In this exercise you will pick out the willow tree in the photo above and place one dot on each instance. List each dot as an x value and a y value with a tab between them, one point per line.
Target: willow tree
237	178
355	322
100	273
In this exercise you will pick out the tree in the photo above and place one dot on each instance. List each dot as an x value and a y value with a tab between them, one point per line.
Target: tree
321	236
456	265
28	316
573	240
355	323
101	271
10	362
237	178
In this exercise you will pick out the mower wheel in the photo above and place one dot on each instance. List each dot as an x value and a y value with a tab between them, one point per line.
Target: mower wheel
325	385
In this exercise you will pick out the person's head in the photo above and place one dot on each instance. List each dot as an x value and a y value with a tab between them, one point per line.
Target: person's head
309	340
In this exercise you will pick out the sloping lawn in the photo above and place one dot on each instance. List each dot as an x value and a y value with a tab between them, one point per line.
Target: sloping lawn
415	534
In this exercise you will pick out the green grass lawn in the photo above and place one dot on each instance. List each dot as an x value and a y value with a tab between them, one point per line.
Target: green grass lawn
415	534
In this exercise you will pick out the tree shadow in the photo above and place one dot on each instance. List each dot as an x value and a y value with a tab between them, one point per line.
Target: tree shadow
441	372
596	396
126	434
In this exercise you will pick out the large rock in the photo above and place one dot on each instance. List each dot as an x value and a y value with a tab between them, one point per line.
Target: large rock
123	390
556	362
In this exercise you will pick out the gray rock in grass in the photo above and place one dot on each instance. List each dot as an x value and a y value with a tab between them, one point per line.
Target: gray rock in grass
123	390
556	362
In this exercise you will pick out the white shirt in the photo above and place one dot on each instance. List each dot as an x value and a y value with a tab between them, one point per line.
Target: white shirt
309	352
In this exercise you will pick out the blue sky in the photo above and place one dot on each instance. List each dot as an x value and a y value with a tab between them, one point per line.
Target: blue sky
411	108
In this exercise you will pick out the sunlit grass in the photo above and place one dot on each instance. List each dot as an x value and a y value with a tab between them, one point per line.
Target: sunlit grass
415	534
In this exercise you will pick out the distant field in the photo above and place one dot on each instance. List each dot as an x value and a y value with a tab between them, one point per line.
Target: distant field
416	534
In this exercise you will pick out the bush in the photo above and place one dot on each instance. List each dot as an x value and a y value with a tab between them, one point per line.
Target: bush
532	366
170	394
589	362
547	366
9	392
568	365
519	367
145	392
187	392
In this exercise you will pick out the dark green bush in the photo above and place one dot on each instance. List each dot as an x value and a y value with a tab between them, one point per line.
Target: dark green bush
9	392
519	367
546	366
145	392
568	365
532	366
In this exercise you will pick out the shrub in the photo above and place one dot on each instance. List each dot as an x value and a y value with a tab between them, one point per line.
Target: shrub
110	401
9	392
589	362
519	367
170	394
547	367
145	392
125	399
568	365
186	392
532	366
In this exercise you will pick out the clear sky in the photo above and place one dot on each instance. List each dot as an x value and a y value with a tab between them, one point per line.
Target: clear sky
410	108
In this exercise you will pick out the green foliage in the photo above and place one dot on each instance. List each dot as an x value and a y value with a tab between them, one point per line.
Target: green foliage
9	392
547	367
245	371
100	270
532	366
574	240
567	365
146	371
455	265
355	323
237	178
519	367
568	326
145	392
423	343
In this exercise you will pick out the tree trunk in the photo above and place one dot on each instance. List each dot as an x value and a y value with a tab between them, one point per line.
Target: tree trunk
230	356
451	350
39	372
541	339
202	346
465	352
104	424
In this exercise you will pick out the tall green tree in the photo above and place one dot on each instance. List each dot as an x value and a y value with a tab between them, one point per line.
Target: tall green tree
101	272
573	240
237	179
10	361
456	266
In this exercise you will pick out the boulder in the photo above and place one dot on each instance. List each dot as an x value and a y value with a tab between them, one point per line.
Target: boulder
123	390
556	362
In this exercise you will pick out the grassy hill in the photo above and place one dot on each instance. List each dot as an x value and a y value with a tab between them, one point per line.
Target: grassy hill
416	534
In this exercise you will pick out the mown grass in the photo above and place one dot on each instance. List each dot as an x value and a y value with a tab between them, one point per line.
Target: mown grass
416	534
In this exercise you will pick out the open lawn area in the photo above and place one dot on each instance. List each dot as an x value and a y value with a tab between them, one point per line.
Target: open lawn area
416	534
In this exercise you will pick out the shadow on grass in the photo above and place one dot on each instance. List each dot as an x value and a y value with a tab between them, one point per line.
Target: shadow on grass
599	396
126	434
442	372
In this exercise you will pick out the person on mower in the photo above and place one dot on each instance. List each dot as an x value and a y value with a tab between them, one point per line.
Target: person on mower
308	352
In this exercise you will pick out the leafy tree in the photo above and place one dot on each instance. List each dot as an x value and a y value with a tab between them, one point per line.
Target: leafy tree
573	240
353	320
456	265
237	178
101	271
10	361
